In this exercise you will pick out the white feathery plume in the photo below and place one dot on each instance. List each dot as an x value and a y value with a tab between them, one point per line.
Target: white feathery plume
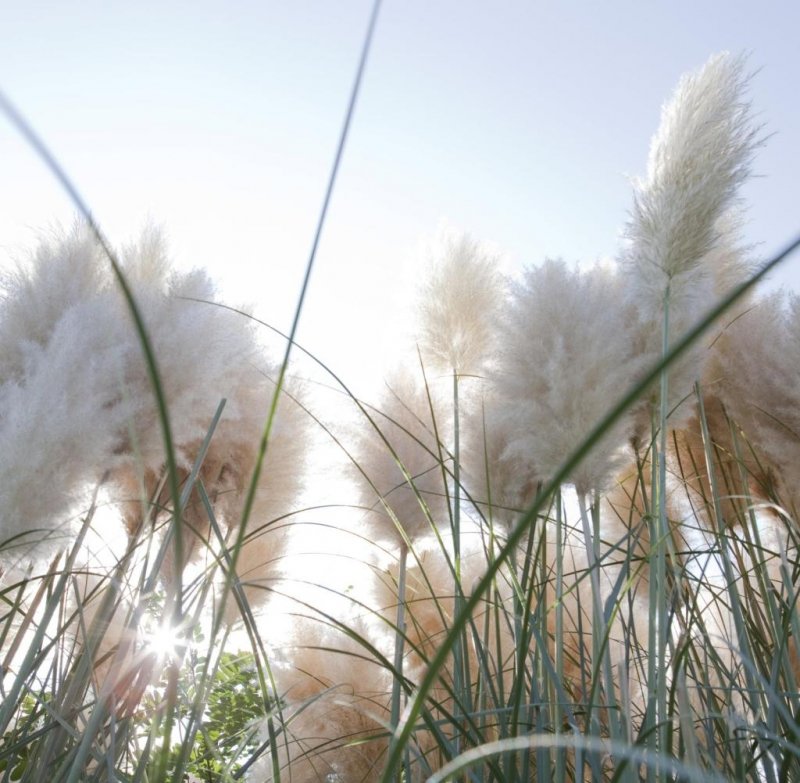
731	261
501	482
458	304
699	157
67	269
60	428
566	360
76	402
760	362
403	479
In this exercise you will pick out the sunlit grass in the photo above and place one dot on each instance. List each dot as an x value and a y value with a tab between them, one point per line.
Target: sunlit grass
632	617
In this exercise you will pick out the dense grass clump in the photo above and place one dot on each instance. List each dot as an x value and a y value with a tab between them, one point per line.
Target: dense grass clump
570	545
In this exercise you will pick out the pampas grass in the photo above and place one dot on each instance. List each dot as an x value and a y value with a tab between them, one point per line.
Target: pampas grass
699	158
563	330
82	380
398	462
544	599
463	281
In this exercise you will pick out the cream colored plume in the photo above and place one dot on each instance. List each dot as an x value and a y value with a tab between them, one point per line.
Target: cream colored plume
457	305
401	460
700	156
77	406
566	359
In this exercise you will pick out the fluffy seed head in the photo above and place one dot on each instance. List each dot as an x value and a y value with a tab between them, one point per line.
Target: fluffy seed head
566	359
403	482
76	402
458	304
699	157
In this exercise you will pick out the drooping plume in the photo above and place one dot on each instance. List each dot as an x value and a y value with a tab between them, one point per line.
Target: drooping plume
402	480
760	383
77	406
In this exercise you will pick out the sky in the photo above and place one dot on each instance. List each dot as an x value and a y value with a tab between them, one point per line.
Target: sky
519	122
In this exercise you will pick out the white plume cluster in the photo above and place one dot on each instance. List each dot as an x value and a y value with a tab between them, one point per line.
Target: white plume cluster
760	363
572	342
77	406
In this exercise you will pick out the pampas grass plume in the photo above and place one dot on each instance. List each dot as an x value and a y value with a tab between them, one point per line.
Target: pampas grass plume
457	305
700	156
78	406
402	480
336	710
760	384
566	359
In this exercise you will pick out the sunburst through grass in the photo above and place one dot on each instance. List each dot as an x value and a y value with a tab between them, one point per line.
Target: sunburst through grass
569	529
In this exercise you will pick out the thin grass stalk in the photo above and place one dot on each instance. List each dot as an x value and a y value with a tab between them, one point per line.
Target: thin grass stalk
399	639
525	617
520	619
183	500
545	759
264	674
597	686
491	696
670	768
75	759
735	609
791	764
783	628
561	760
750	523
262	450
744	647
76	681
659	575
604	666
460	666
30	613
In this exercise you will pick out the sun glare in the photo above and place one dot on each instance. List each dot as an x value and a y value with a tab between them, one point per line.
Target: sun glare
165	640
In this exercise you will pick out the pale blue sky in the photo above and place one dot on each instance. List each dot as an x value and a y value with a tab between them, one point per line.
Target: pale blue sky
519	122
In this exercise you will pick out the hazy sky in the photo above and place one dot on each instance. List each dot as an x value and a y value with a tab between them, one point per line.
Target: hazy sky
519	122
